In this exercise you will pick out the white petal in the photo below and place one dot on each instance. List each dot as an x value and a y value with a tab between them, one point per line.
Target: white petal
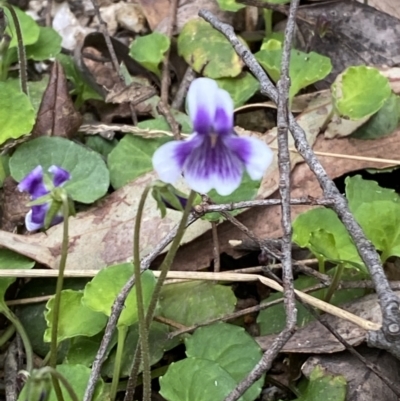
223	121
225	186
260	159
165	162
202	95
29	224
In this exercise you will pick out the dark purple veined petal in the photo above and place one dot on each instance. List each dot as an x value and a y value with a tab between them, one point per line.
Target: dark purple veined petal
201	100
168	159
33	183
254	153
223	121
213	165
60	176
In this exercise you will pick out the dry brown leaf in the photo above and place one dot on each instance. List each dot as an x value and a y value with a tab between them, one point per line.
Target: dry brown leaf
317	339
57	115
157	13
362	384
391	7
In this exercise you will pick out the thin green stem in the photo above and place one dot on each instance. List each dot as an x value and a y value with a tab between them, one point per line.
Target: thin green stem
59	377
7	334
143	329
335	282
24	337
57	297
267	14
165	266
122	332
23	76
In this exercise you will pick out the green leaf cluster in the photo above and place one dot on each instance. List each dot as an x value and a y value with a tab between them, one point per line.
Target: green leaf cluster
218	358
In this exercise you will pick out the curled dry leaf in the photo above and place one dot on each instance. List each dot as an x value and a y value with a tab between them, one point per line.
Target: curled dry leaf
57	115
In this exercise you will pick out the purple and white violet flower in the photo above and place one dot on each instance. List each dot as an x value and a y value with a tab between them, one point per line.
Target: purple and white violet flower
34	184
214	156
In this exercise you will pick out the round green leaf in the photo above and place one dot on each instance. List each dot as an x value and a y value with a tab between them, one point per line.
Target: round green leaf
232	348
149	50
196	302
305	68
75	319
131	158
48	45
195	379
207	51
11	260
383	123
100	293
17	115
89	174
241	88
230	5
360	92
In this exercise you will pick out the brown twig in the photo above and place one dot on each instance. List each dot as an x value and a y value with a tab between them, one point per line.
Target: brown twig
165	110
217	264
165	79
187	79
389	302
113	56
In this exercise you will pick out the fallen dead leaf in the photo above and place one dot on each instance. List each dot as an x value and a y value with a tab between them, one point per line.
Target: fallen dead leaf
362	383
317	339
57	115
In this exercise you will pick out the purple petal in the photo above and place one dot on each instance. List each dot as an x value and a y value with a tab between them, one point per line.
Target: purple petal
223	122
254	153
60	176
33	183
201	100
211	166
168	160
35	217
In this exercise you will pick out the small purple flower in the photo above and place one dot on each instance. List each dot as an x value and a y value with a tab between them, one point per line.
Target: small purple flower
34	184
214	156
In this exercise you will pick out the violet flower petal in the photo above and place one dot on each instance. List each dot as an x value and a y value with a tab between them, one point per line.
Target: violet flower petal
211	166
254	153
29	224
60	176
168	159
223	121
201	101
33	183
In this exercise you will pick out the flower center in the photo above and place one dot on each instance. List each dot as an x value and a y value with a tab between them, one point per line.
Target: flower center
213	139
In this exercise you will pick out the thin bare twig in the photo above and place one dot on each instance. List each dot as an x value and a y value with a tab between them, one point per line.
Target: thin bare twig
217	264
284	189
389	302
187	79
113	56
165	79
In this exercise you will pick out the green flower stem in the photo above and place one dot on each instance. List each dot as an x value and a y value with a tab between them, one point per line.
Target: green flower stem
24	337
335	282
122	332
143	329
7	334
169	258
59	377
165	266
23	75
267	14
57	298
